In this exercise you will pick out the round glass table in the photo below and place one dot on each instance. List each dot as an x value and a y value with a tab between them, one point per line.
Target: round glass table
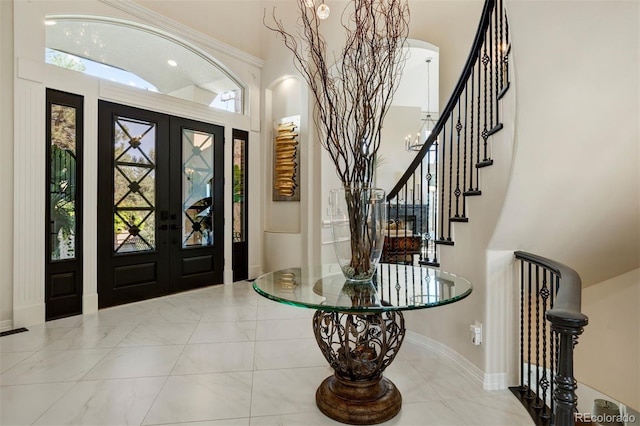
359	328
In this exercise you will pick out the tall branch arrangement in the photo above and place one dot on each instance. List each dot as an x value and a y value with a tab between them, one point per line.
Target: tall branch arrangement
353	92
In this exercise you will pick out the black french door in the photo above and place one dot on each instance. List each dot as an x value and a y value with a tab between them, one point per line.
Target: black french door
160	204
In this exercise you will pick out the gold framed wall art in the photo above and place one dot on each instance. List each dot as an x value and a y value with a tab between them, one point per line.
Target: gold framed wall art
286	159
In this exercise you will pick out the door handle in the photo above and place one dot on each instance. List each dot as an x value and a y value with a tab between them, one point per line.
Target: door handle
176	227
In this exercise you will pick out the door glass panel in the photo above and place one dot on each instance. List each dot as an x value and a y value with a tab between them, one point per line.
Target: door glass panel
197	182
62	186
134	152
238	190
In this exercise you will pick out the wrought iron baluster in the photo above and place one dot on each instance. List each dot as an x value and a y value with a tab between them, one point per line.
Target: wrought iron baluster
544	382
490	32
529	393
502	45
538	316
406	287
436	206
471	188
457	191
450	175
478	122
429	221
422	202
397	217
485	131
442	189
464	155
497	65
523	388
555	282
505	55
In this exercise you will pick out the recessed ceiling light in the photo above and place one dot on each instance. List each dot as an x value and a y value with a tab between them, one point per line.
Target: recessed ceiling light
49	22
172	63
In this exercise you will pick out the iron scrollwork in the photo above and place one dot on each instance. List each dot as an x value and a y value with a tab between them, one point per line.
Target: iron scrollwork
359	346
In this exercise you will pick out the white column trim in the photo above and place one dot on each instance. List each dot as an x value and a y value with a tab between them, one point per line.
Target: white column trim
29	196
6	325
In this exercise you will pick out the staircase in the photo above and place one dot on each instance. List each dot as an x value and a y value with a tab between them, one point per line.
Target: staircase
432	196
432	193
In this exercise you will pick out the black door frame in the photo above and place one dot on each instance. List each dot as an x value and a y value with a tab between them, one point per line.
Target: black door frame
240	250
63	278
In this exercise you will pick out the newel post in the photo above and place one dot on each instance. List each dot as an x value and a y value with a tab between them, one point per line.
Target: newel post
568	326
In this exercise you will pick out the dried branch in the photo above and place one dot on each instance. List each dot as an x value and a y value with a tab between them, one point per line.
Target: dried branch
352	96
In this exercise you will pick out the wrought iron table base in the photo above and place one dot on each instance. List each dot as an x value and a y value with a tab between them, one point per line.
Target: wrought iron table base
359	347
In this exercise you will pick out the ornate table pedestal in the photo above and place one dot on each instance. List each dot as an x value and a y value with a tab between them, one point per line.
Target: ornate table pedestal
359	328
359	347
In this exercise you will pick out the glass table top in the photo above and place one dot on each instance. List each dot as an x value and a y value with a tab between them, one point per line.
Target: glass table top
393	288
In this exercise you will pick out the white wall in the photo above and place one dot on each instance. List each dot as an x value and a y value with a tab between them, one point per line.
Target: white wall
450	25
283	237
575	191
6	164
608	354
281	216
236	23
392	158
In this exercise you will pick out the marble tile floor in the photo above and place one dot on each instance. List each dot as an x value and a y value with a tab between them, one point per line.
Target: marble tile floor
217	356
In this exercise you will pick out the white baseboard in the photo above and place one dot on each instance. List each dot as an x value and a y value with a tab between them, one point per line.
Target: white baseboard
255	271
495	381
444	350
89	303
228	276
6	325
25	316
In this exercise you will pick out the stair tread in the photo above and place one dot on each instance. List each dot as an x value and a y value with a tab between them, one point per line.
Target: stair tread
459	219
484	163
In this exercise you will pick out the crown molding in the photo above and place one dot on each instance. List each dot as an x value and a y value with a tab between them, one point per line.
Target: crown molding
173	27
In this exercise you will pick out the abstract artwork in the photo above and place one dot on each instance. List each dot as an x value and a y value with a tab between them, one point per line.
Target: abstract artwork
286	160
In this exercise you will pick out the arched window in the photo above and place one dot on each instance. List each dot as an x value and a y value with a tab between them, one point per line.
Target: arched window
142	57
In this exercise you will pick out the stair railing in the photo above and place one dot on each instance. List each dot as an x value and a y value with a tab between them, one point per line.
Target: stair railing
552	291
432	193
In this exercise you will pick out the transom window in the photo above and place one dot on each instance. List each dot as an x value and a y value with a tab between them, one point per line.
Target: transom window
140	57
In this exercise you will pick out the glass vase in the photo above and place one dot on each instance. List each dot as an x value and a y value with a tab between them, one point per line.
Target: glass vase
358	221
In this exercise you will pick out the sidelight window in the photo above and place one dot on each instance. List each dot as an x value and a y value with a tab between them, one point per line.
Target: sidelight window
62	187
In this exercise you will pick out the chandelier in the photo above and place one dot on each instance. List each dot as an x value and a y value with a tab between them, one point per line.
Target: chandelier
415	142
